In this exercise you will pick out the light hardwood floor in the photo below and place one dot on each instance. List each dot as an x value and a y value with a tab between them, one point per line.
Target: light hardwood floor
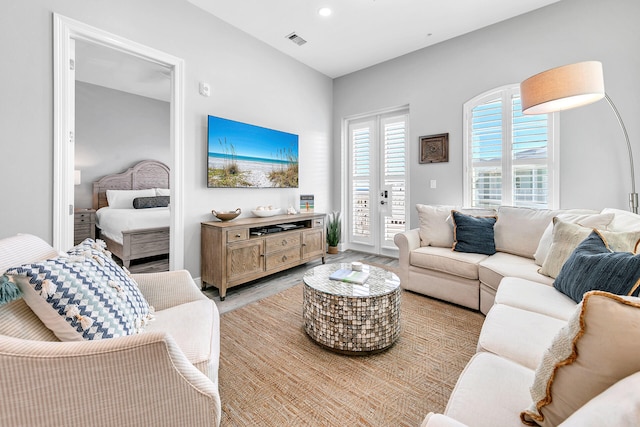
242	295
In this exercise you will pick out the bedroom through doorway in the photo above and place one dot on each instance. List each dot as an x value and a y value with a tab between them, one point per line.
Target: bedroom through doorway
117	103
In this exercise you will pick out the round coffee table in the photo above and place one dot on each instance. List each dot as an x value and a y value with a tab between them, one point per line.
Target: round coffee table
351	318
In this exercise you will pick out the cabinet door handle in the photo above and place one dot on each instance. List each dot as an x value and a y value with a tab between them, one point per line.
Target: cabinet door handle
284	243
284	258
238	235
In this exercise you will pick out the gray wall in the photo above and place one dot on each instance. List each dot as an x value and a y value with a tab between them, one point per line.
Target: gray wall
114	131
438	80
250	82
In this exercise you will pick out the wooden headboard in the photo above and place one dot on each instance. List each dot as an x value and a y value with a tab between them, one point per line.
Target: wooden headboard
146	174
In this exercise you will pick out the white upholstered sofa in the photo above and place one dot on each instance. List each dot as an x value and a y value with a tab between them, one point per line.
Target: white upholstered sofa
165	375
429	266
542	358
588	353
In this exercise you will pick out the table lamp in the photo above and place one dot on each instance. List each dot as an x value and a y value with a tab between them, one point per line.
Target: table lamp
568	87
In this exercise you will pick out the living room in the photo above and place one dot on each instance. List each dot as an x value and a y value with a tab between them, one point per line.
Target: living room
254	83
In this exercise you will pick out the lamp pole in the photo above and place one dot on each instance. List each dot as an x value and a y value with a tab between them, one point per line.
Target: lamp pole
633	196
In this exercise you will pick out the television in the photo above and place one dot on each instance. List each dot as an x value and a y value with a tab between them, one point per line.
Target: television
242	155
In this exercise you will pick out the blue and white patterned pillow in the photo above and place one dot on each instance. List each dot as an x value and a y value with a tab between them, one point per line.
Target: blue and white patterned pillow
83	295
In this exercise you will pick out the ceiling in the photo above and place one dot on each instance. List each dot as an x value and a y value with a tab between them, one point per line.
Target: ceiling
361	33
357	35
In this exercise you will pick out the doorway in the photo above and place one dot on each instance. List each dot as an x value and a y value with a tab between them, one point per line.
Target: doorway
66	33
376	187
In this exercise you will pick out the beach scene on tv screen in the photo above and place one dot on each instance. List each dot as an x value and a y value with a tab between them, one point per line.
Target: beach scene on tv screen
243	155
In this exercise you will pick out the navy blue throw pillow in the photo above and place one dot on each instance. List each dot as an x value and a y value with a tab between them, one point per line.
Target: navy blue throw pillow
473	234
593	266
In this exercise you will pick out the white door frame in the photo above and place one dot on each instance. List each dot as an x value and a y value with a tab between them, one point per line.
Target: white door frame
345	200
64	31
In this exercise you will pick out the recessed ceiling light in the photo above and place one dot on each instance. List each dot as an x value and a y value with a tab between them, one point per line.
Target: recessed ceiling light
325	11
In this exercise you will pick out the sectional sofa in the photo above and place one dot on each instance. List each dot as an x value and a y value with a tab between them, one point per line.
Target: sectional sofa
546	355
86	368
522	236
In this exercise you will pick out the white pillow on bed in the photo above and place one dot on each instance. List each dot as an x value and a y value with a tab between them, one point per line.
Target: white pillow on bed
123	199
163	192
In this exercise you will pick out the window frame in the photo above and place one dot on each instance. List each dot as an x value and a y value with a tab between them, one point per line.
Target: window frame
505	94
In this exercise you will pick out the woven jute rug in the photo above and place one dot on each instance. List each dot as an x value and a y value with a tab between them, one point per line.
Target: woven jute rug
272	374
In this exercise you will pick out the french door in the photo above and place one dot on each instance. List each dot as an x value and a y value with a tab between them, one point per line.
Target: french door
377	181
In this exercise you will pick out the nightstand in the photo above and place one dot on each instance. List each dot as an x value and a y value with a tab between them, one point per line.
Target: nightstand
84	224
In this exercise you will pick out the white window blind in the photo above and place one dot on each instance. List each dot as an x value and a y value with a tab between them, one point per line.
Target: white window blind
510	158
395	138
361	135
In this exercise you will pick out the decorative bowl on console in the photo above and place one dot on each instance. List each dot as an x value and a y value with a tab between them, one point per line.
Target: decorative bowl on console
265	211
226	215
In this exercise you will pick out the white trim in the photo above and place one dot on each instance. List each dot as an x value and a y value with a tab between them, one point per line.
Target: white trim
66	29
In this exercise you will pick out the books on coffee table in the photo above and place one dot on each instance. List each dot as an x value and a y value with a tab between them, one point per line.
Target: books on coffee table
350	276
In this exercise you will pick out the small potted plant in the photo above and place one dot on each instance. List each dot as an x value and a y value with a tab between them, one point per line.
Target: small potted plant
334	231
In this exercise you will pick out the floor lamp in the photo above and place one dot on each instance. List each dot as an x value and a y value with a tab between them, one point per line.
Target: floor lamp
568	87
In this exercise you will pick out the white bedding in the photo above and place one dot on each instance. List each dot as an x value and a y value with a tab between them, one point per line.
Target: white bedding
113	221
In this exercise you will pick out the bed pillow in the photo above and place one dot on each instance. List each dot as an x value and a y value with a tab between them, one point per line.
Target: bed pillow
151	202
473	234
83	295
123	199
567	236
590	220
593	266
163	191
598	347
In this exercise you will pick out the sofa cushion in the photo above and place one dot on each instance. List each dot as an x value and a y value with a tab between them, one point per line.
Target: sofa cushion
436	228
533	296
473	234
567	236
493	269
518	230
598	347
195	338
590	219
593	266
613	407
490	392
445	260
83	295
518	335
623	220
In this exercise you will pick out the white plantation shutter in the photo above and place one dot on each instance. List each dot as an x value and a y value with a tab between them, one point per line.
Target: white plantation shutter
360	135
486	154
530	160
394	140
510	158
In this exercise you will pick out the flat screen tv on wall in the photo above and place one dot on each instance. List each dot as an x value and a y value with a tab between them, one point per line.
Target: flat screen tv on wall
241	155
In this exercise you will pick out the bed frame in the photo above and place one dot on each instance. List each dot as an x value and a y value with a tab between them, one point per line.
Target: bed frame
140	243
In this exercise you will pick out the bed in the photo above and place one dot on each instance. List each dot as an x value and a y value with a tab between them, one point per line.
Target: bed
130	233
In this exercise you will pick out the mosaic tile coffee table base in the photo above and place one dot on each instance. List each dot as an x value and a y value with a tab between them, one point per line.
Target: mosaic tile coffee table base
350	318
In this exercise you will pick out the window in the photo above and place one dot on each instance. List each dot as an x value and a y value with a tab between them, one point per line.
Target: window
509	158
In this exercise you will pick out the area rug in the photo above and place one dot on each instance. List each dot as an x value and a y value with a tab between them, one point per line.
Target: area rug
272	374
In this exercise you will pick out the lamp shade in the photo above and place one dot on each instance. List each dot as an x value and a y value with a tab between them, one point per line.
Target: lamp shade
562	88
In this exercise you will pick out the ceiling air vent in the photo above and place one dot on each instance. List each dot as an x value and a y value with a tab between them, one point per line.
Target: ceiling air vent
296	39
